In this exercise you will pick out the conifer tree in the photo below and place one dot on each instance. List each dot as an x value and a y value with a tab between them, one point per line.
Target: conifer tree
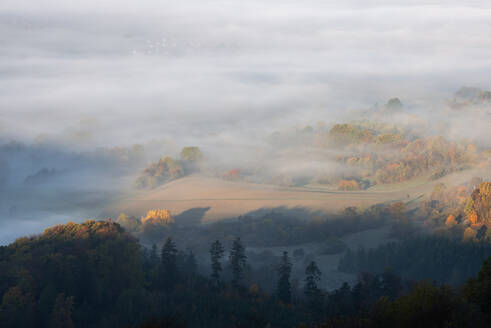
284	271
216	254
169	264
237	262
311	289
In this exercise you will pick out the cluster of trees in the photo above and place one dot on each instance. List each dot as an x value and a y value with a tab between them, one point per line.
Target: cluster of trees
461	212
168	168
348	134
70	273
278	229
153	219
478	212
424	305
446	204
165	170
353	184
372	153
384	154
274	228
158	216
151	226
95	275
478	206
466	96
410	159
437	258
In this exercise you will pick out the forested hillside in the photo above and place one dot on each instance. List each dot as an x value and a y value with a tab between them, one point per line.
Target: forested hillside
95	275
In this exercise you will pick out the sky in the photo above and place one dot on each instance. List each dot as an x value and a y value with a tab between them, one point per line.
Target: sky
105	73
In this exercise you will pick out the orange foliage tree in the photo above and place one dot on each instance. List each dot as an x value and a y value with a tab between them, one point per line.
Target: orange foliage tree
348	185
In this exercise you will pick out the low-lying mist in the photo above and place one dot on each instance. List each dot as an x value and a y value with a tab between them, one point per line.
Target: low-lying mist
90	97
45	181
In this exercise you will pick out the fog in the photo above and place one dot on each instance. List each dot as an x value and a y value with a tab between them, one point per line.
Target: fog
222	75
112	72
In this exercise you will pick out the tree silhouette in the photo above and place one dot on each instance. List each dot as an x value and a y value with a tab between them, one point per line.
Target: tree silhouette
237	260
284	271
216	254
169	264
311	289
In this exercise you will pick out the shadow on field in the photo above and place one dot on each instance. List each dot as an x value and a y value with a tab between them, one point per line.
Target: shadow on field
191	217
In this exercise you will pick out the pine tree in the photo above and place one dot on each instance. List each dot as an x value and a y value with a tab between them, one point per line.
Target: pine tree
284	271
216	254
237	262
169	264
311	289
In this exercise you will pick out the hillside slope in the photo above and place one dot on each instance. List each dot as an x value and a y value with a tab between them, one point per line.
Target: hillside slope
226	199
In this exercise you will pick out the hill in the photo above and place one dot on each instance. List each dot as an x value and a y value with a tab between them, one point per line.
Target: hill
223	199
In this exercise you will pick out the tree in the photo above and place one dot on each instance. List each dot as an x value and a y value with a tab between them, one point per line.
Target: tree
165	170
283	288
394	103
479	205
130	224
237	260
216	254
192	154
154	258
311	289
169	263
158	217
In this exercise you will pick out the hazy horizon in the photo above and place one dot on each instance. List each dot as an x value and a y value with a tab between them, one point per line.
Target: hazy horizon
112	73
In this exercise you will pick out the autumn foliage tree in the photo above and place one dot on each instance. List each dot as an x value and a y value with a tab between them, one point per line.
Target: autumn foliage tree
479	204
348	185
165	170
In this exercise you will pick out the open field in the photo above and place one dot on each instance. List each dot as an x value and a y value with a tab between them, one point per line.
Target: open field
225	199
222	199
